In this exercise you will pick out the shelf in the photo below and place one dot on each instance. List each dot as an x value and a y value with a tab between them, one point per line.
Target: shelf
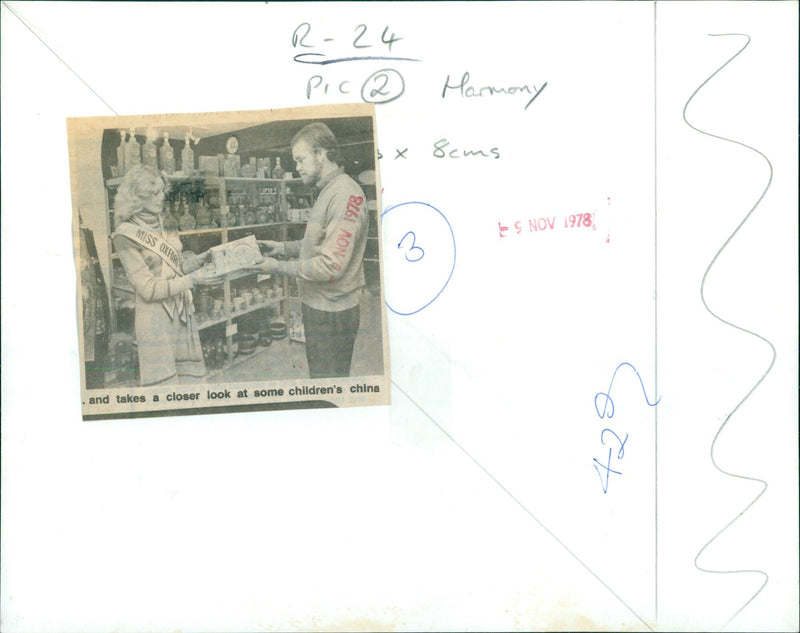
219	229
174	178
202	324
258	306
237	360
234	276
240	358
370	259
257	226
234	228
124	289
241	274
256	180
114	182
199	231
213	229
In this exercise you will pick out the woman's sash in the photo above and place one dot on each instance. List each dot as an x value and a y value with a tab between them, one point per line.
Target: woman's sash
171	257
154	243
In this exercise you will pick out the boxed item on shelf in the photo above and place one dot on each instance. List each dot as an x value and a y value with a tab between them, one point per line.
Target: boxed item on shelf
209	165
296	330
236	255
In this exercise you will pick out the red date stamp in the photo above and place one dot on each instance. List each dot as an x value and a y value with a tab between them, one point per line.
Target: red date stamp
547	223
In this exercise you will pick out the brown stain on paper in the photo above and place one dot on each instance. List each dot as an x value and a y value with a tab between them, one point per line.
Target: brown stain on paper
563	615
359	625
351	623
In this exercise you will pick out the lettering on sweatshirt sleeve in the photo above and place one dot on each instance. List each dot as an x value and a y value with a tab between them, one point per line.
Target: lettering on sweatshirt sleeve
344	237
353	208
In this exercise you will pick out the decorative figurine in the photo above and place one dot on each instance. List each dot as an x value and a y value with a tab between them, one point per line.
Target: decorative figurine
167	156
186	220
187	154
149	150
233	161
203	214
121	154
133	151
278	173
170	221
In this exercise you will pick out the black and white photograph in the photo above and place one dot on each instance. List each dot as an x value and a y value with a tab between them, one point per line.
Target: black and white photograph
229	260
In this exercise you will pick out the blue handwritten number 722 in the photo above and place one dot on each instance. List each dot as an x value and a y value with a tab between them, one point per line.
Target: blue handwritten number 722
413	248
607	411
607	466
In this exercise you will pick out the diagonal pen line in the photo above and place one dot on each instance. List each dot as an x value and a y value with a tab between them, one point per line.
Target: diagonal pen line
25	24
519	503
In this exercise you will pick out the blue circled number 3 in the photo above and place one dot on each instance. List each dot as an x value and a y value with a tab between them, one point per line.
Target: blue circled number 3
414	247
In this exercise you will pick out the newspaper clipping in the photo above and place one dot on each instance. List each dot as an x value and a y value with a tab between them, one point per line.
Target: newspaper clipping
228	261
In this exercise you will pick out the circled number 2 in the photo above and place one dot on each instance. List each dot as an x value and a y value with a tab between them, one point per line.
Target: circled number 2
414	247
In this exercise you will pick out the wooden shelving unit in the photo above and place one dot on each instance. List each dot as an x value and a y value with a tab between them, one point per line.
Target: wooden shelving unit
200	239
294	200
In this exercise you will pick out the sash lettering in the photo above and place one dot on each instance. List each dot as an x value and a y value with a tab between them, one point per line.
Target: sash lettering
154	243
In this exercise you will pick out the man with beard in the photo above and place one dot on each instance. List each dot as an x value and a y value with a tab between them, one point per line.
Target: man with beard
328	268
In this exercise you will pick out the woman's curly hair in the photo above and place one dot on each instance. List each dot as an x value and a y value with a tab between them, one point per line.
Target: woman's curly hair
137	189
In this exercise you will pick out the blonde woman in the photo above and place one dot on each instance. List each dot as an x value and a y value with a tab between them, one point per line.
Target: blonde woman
162	276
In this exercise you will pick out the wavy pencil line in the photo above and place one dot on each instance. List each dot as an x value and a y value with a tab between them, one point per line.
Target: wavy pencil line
764	485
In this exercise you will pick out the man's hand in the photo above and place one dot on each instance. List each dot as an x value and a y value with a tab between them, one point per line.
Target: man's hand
269	247
268	265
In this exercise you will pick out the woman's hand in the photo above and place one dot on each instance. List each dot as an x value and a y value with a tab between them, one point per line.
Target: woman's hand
192	262
206	274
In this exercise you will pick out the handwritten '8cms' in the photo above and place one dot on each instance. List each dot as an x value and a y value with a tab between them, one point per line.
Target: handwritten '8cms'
419	254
